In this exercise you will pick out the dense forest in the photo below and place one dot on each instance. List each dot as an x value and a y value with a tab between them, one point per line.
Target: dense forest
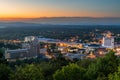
56	31
104	68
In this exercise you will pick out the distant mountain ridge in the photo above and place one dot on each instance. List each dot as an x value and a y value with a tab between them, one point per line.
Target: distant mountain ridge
64	21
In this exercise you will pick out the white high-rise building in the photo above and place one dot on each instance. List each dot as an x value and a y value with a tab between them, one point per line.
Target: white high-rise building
108	42
29	38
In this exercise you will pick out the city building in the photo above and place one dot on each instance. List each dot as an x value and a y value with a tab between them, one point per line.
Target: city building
117	52
91	56
70	56
29	50
108	41
18	54
29	38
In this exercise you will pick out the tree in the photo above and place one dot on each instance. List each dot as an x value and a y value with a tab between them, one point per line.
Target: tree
2	59
48	69
85	63
2	52
69	72
91	73
28	72
110	62
53	65
115	76
5	72
102	67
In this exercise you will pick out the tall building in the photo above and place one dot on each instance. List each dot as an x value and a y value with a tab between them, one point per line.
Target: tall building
29	50
108	41
35	47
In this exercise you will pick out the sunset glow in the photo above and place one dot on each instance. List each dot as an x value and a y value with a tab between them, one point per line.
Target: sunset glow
58	8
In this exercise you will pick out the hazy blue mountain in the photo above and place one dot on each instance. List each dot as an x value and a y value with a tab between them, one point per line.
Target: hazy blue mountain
77	21
61	21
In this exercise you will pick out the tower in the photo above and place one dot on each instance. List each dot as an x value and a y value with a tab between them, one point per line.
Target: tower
34	47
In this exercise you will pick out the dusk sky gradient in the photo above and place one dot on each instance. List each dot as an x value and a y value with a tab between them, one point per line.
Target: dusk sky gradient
58	8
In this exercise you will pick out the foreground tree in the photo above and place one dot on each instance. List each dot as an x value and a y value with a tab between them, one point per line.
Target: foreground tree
2	51
28	72
69	72
5	72
115	76
102	67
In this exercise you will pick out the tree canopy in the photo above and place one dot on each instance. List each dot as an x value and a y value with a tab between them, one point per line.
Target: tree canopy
69	72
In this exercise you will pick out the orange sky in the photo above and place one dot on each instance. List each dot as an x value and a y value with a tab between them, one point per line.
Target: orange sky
51	14
58	8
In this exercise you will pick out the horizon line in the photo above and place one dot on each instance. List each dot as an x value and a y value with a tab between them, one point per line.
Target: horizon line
54	17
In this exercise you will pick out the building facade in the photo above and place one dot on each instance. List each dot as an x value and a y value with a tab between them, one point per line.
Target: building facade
29	50
108	42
